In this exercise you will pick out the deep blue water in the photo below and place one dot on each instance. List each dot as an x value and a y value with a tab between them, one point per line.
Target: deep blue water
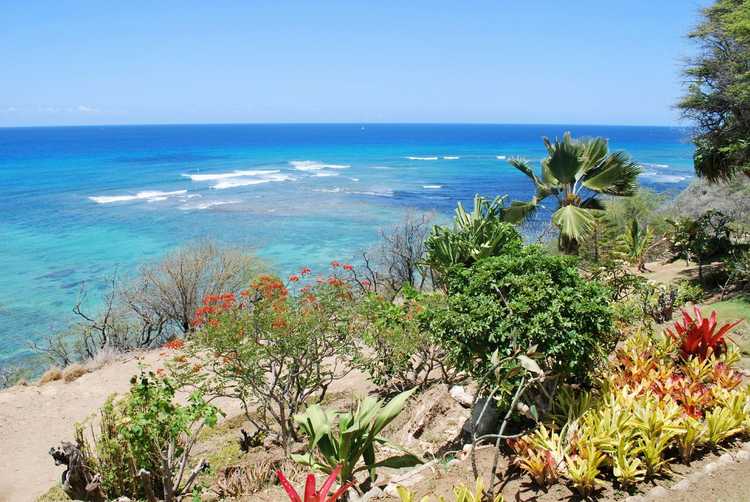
80	202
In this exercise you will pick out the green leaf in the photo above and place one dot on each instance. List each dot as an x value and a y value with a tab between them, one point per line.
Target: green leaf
573	222
399	461
391	411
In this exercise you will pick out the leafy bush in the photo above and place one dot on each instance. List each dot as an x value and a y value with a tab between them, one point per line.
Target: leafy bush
340	440
658	301
701	240
689	292
271	348
524	299
482	233
398	349
143	447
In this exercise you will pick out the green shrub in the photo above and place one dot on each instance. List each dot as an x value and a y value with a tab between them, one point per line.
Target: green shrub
144	443
398	351
521	300
689	292
272	349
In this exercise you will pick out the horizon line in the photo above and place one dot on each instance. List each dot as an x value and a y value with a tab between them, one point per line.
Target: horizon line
173	124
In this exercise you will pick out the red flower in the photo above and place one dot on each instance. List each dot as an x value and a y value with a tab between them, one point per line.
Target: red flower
175	344
305	271
294	278
335	264
365	283
348	267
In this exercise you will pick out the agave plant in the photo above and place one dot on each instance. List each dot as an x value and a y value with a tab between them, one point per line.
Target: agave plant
699	336
575	173
311	494
483	232
337	441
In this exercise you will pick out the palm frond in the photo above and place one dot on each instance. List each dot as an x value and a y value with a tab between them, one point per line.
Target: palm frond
616	175
574	222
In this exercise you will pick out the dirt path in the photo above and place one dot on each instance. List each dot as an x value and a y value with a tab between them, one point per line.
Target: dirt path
35	418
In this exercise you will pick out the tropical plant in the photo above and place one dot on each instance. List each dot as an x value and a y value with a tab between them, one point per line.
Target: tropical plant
528	298
484	232
583	469
337	439
699	336
575	173
462	493
706	238
635	244
311	494
271	348
693	435
721	424
626	466
718	91
397	349
144	446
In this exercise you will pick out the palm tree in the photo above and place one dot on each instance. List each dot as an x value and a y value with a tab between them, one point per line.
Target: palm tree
635	243
576	172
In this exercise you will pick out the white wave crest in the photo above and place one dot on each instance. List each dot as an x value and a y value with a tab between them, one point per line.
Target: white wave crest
311	165
233	174
421	158
664	178
501	157
241	182
432	187
375	193
148	195
208	205
325	174
451	157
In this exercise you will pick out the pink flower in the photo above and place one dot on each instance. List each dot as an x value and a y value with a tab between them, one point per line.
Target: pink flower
294	278
348	267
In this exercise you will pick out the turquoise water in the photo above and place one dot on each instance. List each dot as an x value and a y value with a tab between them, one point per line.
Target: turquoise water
82	202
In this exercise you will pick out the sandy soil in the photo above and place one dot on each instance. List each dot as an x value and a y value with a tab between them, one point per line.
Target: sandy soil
34	418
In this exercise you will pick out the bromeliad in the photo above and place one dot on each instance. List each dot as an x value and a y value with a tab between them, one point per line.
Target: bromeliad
699	336
312	495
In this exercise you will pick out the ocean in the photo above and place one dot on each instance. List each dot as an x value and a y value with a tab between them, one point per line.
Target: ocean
81	203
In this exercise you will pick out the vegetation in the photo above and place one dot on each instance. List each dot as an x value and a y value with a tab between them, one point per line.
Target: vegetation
576	173
338	441
702	239
718	91
311	494
483	233
143	448
524	299
271	349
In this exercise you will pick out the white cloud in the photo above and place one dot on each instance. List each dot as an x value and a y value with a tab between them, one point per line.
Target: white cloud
87	109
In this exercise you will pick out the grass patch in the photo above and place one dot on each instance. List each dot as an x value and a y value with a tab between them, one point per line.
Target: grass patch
54	494
733	310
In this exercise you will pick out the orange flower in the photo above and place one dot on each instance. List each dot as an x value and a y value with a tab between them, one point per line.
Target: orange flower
294	278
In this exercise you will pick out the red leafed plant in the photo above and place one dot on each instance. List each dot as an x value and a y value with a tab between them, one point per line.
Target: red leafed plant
699	336
311	495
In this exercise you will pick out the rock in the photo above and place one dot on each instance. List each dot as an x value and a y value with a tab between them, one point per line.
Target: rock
710	468
657	491
634	498
682	485
743	455
725	459
486	423
373	493
462	397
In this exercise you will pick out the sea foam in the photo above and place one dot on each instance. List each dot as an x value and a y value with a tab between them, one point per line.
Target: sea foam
148	195
422	158
432	187
233	174
311	165
255	180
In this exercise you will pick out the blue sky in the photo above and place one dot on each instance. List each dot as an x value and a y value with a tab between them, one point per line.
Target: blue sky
501	61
